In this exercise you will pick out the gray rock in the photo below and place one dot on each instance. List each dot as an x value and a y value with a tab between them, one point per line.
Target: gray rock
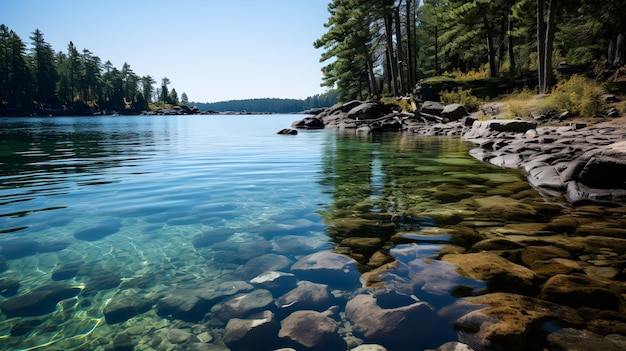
432	108
574	339
453	346
242	305
454	112
369	110
40	301
288	131
122	309
258	265
276	282
306	296
251	334
327	267
396	325
311	330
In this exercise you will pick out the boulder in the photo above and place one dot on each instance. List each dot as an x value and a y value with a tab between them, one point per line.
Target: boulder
258	265
453	346
251	334
306	296
40	301
512	322
8	287
499	273
124	308
242	305
311	330
579	290
18	248
288	131
183	305
327	267
276	282
382	321
574	339
369	110
214	291
309	123
99	231
211	237
454	112
601	168
432	108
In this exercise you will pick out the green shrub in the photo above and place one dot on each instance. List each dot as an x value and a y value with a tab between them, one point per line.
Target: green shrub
579	95
461	96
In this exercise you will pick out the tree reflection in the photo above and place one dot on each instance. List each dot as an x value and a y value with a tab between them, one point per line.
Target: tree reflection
380	183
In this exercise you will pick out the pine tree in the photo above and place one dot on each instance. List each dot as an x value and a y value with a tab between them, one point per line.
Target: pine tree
45	74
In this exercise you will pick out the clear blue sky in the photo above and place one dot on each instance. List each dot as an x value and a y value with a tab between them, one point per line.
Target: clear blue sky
212	50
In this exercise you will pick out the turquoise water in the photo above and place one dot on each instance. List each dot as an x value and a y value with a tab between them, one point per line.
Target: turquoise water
153	207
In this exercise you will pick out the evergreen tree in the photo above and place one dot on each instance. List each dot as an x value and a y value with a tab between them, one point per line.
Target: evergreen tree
44	70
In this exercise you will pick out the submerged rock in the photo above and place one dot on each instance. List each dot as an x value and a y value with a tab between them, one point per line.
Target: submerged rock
40	301
121	310
99	231
311	330
327	267
254	333
398	326
512	322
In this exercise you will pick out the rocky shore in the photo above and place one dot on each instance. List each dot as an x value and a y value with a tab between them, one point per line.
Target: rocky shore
585	163
555	275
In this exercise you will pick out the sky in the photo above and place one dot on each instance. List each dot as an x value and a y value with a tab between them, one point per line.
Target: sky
211	50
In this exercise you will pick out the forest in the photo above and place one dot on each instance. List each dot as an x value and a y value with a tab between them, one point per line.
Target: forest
40	81
271	105
371	48
377	48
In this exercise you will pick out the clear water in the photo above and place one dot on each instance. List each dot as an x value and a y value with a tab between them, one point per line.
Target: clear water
151	185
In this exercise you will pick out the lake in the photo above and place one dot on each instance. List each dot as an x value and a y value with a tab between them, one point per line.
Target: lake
99	212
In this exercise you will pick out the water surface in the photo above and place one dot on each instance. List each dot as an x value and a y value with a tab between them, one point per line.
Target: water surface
158	206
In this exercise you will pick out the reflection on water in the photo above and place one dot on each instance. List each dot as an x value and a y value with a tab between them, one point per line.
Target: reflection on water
150	230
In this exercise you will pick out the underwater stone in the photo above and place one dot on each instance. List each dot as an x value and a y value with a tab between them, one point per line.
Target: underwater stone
258	265
121	310
101	280
259	330
307	296
18	248
308	330
211	237
212	291
8	287
40	301
327	267
99	231
183	305
405	325
276	282
123	342
241	305
53	246
67	271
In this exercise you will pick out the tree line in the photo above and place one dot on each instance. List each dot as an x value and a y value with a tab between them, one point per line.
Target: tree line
271	105
38	80
384	47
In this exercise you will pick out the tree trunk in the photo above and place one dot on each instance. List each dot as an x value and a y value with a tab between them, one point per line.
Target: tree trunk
547	67
390	56
541	32
510	39
371	78
399	54
409	54
493	71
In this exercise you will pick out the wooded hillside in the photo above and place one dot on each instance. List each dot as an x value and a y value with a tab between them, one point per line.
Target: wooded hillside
384	47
